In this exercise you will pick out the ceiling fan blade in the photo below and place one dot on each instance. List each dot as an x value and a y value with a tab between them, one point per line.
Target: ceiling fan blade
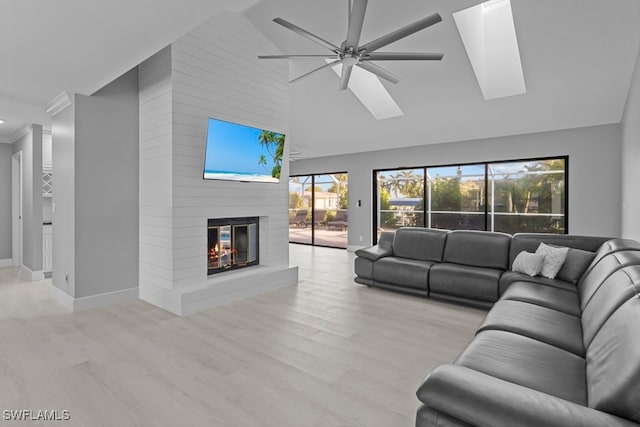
307	34
356	19
327	65
295	56
401	33
403	56
344	77
378	71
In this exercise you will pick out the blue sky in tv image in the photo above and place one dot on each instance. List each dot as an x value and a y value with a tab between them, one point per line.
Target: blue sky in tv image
234	152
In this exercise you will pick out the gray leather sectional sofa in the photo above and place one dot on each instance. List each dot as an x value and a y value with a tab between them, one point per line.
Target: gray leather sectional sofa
549	352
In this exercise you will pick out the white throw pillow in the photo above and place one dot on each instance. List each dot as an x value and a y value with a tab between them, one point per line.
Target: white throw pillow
528	263
553	259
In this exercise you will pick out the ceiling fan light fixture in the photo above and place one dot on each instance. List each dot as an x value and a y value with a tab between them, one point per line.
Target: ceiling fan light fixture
350	60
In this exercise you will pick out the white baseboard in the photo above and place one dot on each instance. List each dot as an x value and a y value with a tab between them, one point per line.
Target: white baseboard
61	297
33	275
93	301
353	248
6	263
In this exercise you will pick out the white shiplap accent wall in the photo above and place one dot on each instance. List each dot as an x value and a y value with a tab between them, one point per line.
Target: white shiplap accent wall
156	215
214	73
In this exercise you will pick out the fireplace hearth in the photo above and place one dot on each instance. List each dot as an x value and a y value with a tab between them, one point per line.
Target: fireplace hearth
232	243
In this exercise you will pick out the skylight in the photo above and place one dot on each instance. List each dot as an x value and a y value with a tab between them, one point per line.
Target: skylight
489	36
371	93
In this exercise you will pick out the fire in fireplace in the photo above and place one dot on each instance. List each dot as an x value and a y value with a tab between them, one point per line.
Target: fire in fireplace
232	243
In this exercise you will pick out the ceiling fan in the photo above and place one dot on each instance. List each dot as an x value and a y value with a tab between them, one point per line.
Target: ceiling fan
351	53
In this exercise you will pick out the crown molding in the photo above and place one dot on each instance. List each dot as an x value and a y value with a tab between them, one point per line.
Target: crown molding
58	104
19	134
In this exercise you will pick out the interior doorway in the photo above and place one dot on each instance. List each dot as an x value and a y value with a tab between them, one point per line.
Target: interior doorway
16	208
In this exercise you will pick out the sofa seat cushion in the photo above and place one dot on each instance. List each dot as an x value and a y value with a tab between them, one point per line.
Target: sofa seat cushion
510	277
529	363
543	324
558	299
613	371
465	281
410	273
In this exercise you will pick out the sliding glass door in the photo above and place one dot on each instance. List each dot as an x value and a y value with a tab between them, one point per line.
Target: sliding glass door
300	209
318	209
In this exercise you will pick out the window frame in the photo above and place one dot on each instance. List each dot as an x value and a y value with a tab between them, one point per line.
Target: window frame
485	164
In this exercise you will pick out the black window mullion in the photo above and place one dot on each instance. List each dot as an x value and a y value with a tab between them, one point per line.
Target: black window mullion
486	197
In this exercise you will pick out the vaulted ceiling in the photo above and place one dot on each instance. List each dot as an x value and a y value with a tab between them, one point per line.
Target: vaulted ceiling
577	57
79	46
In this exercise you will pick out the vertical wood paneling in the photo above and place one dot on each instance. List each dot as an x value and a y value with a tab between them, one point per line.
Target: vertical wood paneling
156	233
214	72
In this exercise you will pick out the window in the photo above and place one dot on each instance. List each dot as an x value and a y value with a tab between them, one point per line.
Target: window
507	196
318	206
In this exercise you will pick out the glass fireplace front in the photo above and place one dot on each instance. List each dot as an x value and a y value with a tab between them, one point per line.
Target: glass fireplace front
232	243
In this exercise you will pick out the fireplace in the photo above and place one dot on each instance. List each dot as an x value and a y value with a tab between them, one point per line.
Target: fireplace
232	243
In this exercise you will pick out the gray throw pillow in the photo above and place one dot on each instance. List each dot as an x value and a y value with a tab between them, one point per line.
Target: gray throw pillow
553	259
528	263
576	263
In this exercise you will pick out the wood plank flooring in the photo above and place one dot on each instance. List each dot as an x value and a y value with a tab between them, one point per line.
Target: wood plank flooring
328	353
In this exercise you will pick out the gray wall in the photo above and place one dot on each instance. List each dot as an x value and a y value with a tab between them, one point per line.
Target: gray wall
631	159
95	152
107	188
594	177
6	150
31	147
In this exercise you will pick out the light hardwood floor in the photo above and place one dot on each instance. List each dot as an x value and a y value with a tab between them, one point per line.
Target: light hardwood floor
328	352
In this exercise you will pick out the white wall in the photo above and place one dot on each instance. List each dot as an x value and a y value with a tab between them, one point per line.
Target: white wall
155	186
6	150
631	159
31	146
594	178
212	71
64	231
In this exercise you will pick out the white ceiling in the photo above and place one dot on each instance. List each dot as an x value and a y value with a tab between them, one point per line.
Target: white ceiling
577	55
79	46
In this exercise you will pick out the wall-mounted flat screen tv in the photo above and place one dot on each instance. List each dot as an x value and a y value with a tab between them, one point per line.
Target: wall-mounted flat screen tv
242	153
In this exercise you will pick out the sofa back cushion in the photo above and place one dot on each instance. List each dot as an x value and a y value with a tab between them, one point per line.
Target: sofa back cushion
425	244
611	246
530	241
478	249
600	270
611	294
613	371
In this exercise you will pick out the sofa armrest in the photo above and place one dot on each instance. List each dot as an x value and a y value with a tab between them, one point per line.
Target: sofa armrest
382	249
483	400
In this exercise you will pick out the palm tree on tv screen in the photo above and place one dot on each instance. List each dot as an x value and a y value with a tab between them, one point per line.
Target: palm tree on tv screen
274	144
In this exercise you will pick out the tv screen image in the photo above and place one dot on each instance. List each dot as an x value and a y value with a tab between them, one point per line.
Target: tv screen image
242	153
